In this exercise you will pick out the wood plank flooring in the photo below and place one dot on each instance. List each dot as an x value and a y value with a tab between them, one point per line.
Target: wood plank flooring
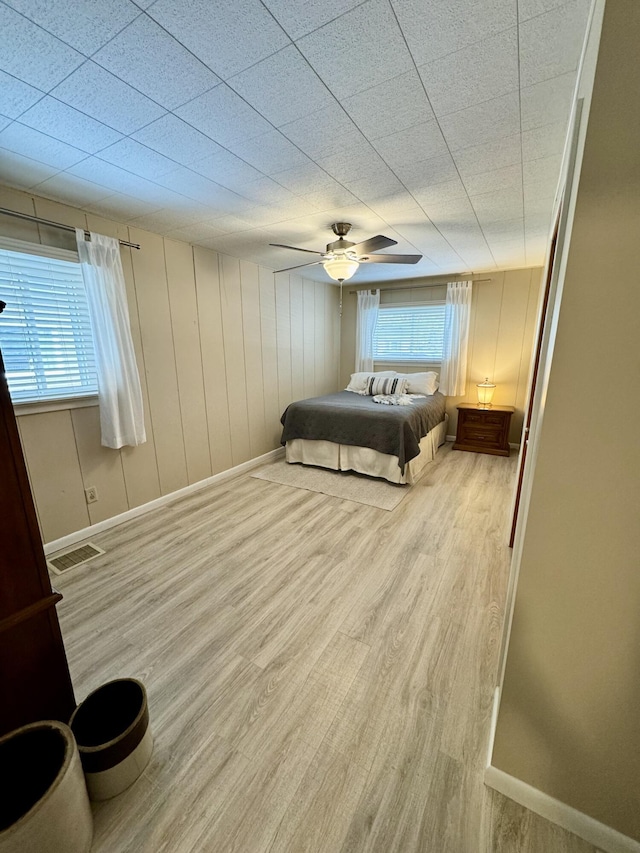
320	673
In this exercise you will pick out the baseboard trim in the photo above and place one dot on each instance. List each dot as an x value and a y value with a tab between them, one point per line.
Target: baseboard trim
598	834
108	523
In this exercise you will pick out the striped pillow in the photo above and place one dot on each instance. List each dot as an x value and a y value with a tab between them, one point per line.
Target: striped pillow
386	385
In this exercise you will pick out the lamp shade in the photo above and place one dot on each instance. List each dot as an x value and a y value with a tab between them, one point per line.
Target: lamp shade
485	393
340	268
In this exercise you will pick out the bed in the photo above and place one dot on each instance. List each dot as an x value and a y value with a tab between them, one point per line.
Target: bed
350	432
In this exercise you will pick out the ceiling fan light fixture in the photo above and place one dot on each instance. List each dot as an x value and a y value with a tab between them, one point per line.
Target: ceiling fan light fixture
340	268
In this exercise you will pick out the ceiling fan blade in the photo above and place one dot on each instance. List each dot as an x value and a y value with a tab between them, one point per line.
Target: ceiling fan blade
296	249
391	259
310	264
373	244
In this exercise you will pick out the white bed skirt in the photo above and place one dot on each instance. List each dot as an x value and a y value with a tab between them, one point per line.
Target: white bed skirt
364	460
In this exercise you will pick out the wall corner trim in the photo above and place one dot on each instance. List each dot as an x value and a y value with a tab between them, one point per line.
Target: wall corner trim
108	523
598	834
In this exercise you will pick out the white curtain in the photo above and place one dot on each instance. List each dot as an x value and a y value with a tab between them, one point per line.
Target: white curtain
368	305
453	374
119	392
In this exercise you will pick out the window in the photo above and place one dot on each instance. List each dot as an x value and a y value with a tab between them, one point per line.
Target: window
409	333
45	332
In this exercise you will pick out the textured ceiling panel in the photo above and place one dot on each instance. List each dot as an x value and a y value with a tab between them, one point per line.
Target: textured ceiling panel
237	123
164	71
228	35
16	96
33	55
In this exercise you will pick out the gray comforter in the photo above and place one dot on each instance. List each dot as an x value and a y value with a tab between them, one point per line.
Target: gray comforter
348	418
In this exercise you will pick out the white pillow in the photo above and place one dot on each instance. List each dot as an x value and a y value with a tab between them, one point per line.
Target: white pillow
421	383
358	381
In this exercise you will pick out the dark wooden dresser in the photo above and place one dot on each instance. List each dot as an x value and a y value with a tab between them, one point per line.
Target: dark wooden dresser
483	430
34	677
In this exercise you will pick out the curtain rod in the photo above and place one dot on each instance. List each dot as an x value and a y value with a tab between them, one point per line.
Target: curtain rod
15	213
419	286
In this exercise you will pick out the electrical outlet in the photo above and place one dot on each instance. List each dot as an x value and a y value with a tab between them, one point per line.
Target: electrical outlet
91	494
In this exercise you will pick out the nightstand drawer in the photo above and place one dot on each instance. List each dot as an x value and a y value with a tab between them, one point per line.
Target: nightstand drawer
484	418
488	435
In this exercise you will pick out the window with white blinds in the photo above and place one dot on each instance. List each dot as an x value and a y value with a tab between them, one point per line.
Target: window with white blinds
409	333
45	332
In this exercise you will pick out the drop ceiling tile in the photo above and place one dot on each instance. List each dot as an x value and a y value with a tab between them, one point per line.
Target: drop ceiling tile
50	60
332	196
536	207
228	35
304	179
299	17
152	61
68	125
87	26
72	190
544	141
532	8
359	50
16	96
119	180
497	154
390	106
504	230
265	191
121	206
417	143
390	207
271	153
440	27
457	211
201	189
547	102
262	86
353	163
497	179
483	122
324	133
22	172
176	139
498	205
5	121
226	169
26	141
222	115
550	44
230	225
425	173
440	193
479	73
540	176
163	221
99	94
194	233
134	157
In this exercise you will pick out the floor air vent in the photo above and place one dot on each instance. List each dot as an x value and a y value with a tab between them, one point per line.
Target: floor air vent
63	562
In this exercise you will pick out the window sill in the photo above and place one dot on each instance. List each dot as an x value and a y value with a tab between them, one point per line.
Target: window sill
40	406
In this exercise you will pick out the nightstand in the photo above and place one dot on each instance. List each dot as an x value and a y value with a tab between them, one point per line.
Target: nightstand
483	430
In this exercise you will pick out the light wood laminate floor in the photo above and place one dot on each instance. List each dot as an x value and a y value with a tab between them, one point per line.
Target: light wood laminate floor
320	673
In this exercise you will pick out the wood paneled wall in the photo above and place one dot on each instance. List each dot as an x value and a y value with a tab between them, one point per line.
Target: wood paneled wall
503	319
223	346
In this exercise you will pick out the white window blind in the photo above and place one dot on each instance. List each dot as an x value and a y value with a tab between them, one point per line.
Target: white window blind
45	332
409	333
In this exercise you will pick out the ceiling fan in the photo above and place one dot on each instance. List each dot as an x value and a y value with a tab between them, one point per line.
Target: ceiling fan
342	258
